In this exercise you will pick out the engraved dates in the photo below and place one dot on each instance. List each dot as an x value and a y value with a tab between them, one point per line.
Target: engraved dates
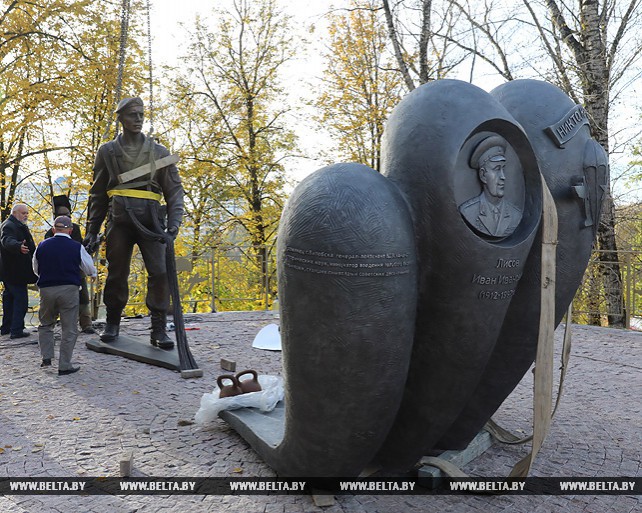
492	280
496	295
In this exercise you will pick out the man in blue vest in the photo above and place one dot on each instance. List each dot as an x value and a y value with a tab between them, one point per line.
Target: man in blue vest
58	262
62	207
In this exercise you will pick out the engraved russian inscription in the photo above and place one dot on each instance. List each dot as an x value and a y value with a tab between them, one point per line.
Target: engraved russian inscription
341	264
510	262
567	127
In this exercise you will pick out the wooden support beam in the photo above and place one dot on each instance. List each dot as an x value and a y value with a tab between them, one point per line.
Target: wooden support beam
322	499
228	365
126	464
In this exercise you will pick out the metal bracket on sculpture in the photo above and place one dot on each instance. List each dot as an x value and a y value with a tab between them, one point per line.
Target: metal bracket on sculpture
581	190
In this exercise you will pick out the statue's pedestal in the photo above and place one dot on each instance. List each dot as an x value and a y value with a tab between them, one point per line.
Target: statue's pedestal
139	349
263	431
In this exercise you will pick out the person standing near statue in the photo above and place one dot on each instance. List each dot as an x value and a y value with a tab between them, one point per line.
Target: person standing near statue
60	262
62	207
130	204
17	248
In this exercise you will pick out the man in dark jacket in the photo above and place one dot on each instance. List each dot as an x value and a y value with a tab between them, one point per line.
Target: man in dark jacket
59	263
130	201
17	248
62	207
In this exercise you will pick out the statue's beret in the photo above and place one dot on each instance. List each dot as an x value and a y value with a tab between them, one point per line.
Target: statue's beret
128	102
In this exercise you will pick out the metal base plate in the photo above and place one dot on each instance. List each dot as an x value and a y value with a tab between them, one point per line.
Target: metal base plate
139	349
262	430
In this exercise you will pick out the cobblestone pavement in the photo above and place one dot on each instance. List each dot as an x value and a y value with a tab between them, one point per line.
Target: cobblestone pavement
80	425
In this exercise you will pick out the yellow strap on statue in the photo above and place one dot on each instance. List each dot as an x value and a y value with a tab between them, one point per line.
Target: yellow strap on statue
135	193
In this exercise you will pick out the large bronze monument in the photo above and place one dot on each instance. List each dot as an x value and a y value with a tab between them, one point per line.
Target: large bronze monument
410	300
132	174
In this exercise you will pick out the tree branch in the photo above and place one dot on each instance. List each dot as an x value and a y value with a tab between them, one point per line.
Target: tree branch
394	38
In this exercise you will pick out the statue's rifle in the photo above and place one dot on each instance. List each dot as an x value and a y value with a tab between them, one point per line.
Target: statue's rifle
188	366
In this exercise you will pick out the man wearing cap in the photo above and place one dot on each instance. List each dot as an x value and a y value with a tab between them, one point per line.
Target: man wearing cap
62	207
58	262
127	201
490	213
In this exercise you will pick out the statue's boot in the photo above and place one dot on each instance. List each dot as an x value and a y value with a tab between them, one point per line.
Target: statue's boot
112	328
159	336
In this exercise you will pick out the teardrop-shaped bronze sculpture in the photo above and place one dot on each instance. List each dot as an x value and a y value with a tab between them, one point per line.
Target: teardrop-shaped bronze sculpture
409	299
347	293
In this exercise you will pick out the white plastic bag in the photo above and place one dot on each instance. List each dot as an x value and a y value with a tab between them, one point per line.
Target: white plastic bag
266	400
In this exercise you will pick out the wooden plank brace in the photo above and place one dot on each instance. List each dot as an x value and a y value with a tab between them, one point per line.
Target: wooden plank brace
147	168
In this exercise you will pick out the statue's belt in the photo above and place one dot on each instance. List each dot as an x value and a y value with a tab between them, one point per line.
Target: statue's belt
135	193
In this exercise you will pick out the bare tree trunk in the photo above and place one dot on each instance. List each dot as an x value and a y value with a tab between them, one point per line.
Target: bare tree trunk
424	39
594	68
4	213
593	296
609	266
396	44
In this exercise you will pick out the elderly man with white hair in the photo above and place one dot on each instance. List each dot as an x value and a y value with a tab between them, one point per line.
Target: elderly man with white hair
16	248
